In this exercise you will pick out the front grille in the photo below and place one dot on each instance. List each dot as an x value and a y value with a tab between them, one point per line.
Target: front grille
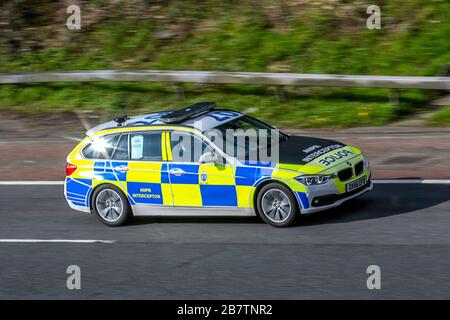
332	198
359	167
345	174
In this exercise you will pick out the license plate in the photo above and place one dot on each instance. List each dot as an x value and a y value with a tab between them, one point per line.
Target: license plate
356	184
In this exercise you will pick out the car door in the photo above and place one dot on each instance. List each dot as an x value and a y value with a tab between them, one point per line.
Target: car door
196	184
147	182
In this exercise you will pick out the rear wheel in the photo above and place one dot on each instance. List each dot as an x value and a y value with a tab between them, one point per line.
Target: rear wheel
276	205
111	205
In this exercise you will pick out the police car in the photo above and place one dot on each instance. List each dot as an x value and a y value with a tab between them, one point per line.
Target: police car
146	166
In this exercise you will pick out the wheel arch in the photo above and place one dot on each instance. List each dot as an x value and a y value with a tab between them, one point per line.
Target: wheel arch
265	182
91	196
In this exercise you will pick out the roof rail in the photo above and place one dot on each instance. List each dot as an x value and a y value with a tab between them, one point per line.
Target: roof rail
179	115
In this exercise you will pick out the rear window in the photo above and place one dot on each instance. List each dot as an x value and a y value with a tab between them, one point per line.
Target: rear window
101	147
121	152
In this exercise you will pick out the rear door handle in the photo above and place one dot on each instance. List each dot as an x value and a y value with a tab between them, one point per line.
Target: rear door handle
177	172
121	168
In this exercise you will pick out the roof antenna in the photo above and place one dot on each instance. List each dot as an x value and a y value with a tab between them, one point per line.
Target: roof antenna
121	120
122	105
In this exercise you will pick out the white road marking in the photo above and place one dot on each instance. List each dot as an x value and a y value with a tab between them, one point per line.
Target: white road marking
71	138
54	241
406	181
31	183
30	142
385	137
392	181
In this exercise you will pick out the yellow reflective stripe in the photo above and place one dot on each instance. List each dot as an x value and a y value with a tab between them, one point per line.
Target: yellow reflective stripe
84	170
163	146
144	128
168	147
167	194
284	174
244	196
187	195
122	185
149	172
217	174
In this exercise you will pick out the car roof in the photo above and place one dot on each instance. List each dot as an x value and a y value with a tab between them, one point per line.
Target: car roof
202	122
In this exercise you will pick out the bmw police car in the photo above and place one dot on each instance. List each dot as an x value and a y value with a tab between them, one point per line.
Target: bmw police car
166	163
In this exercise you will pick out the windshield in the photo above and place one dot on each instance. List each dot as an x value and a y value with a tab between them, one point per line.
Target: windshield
236	140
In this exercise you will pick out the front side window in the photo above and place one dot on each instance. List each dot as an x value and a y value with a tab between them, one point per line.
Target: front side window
101	147
187	148
146	146
241	137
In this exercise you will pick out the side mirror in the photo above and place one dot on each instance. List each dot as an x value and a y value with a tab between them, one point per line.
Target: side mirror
209	157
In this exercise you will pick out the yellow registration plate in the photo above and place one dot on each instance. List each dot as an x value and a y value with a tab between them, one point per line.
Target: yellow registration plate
356	184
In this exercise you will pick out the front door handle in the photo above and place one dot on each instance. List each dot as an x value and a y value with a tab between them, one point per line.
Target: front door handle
177	172
121	168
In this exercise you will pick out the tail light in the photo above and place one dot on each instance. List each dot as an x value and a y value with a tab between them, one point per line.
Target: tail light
70	168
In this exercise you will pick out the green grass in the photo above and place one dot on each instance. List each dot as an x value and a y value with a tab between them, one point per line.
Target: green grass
233	36
441	117
304	107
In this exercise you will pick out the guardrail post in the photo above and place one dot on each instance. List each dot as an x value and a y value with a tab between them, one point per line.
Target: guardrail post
394	97
280	93
180	91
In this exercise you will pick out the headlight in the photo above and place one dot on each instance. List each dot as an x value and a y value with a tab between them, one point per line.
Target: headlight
309	180
366	164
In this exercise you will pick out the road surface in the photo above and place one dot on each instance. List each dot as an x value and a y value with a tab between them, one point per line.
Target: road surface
402	228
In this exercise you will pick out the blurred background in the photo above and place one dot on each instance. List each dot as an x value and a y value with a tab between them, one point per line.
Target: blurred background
298	36
403	131
401	226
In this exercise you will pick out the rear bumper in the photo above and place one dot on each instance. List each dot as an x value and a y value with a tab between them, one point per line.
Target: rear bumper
71	204
333	200
78	208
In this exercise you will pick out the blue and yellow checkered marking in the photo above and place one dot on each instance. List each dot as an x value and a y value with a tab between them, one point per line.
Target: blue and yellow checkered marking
151	183
149	193
302	199
249	175
104	170
217	195
190	175
78	191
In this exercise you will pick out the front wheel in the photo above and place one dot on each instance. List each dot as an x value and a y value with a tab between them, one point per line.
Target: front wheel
276	205
111	205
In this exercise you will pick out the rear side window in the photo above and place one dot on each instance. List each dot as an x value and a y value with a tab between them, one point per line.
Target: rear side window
101	147
146	146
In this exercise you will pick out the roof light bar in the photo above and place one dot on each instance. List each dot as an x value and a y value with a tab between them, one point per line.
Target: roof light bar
188	112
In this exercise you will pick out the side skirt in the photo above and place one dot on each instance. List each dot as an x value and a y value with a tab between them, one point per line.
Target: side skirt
156	210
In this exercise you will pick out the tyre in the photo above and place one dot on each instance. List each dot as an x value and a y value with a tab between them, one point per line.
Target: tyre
276	205
110	205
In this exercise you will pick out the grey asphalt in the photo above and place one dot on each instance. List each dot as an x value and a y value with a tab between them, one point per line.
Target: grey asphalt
402	228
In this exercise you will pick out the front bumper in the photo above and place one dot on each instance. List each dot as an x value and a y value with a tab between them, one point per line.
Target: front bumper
331	200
